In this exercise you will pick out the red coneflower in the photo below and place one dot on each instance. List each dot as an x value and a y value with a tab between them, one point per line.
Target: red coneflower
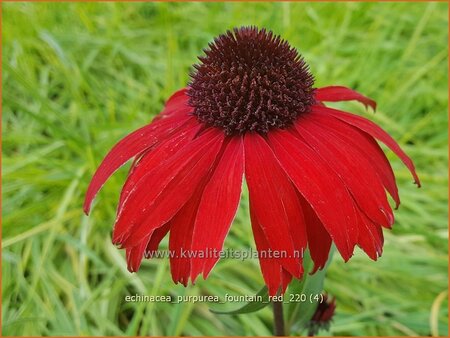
315	174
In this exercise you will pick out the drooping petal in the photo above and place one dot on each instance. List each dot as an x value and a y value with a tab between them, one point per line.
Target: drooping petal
340	93
354	170
163	191
180	240
362	141
275	276
145	248
319	241
155	157
130	181
320	186
376	132
270	267
286	278
128	147
135	255
218	206
274	202
370	237
156	238
381	162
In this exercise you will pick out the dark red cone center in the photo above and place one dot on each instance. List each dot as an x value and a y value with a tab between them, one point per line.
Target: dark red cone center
250	80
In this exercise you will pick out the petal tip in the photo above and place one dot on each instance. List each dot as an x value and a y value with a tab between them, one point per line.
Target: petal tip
87	204
316	268
86	209
372	105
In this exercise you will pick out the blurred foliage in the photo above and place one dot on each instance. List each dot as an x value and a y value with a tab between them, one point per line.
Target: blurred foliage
79	76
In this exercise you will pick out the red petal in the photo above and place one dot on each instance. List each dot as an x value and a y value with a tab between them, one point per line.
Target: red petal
177	98
128	147
319	241
163	191
156	238
129	183
135	255
339	93
180	241
176	104
376	132
370	237
275	203
286	278
218	206
354	170
147	246
366	145
270	267
156	156
320	186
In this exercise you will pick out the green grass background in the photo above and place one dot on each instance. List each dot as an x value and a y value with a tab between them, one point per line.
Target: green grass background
79	76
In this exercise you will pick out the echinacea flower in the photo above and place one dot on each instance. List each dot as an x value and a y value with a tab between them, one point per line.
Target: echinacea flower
315	175
323	315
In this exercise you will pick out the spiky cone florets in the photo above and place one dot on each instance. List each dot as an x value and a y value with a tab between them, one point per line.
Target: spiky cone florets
250	80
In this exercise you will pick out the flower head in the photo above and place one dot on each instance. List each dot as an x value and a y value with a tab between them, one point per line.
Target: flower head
315	175
323	315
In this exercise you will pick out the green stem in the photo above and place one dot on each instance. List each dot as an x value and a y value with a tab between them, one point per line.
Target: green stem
278	319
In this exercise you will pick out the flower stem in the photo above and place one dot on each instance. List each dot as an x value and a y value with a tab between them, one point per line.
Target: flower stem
278	318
